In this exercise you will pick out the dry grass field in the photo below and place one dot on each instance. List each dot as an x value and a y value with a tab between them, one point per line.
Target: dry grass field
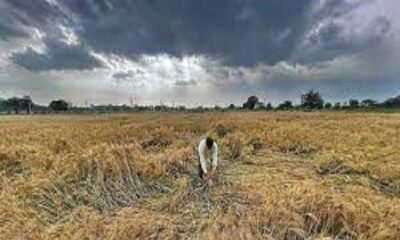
281	176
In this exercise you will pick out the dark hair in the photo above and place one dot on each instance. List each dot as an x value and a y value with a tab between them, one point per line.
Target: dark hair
209	142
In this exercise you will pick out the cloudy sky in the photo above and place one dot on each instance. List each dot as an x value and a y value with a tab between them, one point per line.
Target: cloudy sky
198	51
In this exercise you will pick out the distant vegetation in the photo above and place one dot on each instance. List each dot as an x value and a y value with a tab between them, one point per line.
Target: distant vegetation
312	100
59	106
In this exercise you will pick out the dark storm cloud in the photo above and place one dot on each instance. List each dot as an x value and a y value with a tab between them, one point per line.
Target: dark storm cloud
331	33
123	75
9	27
7	32
331	41
59	56
239	32
34	13
182	83
337	8
242	32
127	75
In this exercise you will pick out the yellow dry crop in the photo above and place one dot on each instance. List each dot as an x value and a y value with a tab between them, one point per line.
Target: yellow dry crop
282	176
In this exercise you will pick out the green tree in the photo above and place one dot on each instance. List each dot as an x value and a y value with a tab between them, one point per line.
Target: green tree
59	105
369	103
286	105
251	103
231	106
392	102
312	100
328	105
354	103
337	105
15	104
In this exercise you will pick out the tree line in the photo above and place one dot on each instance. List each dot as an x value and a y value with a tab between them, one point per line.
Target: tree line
310	101
25	104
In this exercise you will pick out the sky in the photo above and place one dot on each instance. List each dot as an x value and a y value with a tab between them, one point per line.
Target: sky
192	52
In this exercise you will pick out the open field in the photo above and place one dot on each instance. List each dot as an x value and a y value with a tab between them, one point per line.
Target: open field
281	176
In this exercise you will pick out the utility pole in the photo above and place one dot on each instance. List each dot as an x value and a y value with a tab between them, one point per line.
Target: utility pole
135	99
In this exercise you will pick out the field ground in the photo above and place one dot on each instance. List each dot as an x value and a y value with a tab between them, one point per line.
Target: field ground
282	176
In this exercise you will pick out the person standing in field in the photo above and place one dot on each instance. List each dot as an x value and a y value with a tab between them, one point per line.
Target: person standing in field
207	149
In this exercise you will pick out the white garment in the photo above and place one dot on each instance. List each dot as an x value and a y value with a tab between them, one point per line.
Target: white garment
205	152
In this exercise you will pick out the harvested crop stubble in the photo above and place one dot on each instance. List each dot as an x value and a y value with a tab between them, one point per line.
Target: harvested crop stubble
281	176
